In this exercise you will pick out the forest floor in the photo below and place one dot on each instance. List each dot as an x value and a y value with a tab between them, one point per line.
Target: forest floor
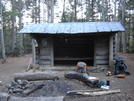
61	86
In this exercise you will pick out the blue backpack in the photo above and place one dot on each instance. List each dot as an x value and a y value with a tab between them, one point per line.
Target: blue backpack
120	66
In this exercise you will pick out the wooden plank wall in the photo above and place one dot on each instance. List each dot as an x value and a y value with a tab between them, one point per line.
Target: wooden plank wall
44	51
73	47
101	55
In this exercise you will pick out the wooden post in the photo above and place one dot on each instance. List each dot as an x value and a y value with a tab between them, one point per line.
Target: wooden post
52	52
111	53
95	39
33	54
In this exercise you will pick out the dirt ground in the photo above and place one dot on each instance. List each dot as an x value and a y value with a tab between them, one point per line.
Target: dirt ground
61	86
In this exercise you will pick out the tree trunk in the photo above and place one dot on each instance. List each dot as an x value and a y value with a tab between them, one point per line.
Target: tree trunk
20	26
13	27
52	11
123	23
88	10
39	11
103	10
1	34
36	76
63	14
48	11
36	11
75	11
115	10
92	10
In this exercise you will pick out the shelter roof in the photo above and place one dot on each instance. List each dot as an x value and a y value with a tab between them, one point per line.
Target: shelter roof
72	27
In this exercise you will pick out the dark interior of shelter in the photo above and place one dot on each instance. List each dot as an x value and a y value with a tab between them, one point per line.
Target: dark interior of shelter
70	49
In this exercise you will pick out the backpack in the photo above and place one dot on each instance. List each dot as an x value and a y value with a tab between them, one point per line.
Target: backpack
82	67
120	66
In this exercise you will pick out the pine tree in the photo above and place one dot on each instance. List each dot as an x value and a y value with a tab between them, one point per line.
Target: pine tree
1	34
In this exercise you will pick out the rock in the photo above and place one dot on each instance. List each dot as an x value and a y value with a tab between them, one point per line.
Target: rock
0	83
9	86
10	91
14	83
19	82
25	82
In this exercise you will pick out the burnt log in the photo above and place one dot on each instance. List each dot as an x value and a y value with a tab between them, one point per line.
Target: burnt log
36	76
93	82
4	96
32	89
29	91
17	90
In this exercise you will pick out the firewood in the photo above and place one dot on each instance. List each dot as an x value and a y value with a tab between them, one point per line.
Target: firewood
4	96
17	90
94	93
30	90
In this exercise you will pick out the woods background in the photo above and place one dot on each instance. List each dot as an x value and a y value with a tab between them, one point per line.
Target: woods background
14	14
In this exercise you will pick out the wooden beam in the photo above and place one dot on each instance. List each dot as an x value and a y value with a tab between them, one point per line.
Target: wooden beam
94	93
59	58
33	54
111	53
29	65
95	39
52	52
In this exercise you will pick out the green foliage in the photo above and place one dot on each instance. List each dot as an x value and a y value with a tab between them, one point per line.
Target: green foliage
130	5
27	46
15	52
131	46
18	50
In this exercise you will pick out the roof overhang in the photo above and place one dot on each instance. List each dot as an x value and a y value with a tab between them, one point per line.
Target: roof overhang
72	28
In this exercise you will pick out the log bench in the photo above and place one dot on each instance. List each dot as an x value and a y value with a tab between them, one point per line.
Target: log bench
91	81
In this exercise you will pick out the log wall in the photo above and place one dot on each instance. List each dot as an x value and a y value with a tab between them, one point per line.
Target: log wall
104	51
62	48
101	51
44	51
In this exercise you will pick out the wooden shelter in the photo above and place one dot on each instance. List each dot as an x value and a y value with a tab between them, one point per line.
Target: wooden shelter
68	43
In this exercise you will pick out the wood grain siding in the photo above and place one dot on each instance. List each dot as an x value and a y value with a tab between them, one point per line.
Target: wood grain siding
45	57
68	48
101	57
111	52
114	46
